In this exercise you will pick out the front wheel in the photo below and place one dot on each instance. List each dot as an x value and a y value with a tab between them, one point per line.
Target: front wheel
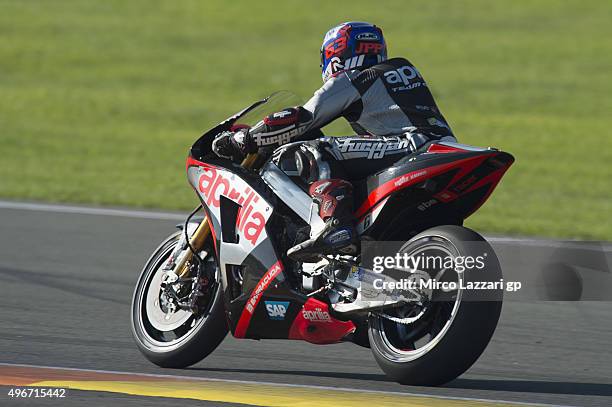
434	341
166	334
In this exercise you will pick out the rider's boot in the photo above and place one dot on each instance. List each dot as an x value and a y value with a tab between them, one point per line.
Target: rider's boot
335	200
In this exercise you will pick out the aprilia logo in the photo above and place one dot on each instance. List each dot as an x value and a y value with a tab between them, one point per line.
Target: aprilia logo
404	76
318	315
251	221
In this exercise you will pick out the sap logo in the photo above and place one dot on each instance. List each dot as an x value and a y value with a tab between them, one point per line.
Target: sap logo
277	309
403	75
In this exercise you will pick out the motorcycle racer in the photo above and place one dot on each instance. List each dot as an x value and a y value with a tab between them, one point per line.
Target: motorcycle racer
387	103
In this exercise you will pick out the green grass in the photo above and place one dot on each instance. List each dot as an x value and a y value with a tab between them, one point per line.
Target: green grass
100	100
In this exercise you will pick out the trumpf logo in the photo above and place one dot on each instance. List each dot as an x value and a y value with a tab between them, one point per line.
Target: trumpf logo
409	177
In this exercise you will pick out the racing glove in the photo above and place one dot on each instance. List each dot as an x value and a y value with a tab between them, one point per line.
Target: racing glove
234	145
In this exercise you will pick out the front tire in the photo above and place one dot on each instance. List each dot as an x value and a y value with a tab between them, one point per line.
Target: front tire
451	346
174	339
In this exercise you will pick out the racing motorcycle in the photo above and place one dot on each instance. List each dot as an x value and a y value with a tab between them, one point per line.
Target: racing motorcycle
228	271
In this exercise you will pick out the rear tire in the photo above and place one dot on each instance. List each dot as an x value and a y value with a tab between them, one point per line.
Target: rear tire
456	347
188	343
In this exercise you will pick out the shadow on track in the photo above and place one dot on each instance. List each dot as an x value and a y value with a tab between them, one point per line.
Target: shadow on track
101	289
534	386
519	386
337	375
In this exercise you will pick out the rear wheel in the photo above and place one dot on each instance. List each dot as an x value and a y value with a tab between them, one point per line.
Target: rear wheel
432	342
166	334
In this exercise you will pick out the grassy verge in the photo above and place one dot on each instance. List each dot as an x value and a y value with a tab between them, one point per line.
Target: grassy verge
99	101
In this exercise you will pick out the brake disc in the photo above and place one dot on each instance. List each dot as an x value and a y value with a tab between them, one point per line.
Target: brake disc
406	320
163	320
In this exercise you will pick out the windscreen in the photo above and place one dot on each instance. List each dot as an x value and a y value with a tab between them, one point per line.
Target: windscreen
274	103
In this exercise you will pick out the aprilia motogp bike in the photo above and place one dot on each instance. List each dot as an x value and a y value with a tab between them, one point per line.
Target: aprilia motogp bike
228	270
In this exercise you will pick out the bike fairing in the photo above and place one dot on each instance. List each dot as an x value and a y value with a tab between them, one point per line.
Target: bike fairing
211	189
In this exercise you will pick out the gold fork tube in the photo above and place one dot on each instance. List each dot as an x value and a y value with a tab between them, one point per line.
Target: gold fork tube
197	241
249	161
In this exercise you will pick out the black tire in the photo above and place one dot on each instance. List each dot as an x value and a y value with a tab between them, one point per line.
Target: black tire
467	335
199	340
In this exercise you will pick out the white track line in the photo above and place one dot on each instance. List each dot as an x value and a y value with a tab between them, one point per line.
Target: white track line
85	210
557	244
304	386
142	214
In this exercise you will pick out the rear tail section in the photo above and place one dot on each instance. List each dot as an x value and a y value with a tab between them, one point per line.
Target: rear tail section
445	184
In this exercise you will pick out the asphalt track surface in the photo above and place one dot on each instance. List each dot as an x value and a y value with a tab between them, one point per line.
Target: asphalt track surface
67	279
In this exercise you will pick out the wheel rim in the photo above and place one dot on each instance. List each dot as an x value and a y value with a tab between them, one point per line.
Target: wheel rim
422	330
160	326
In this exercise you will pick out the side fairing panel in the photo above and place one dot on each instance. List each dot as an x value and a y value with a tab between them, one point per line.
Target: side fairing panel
241	241
211	183
262	302
252	275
